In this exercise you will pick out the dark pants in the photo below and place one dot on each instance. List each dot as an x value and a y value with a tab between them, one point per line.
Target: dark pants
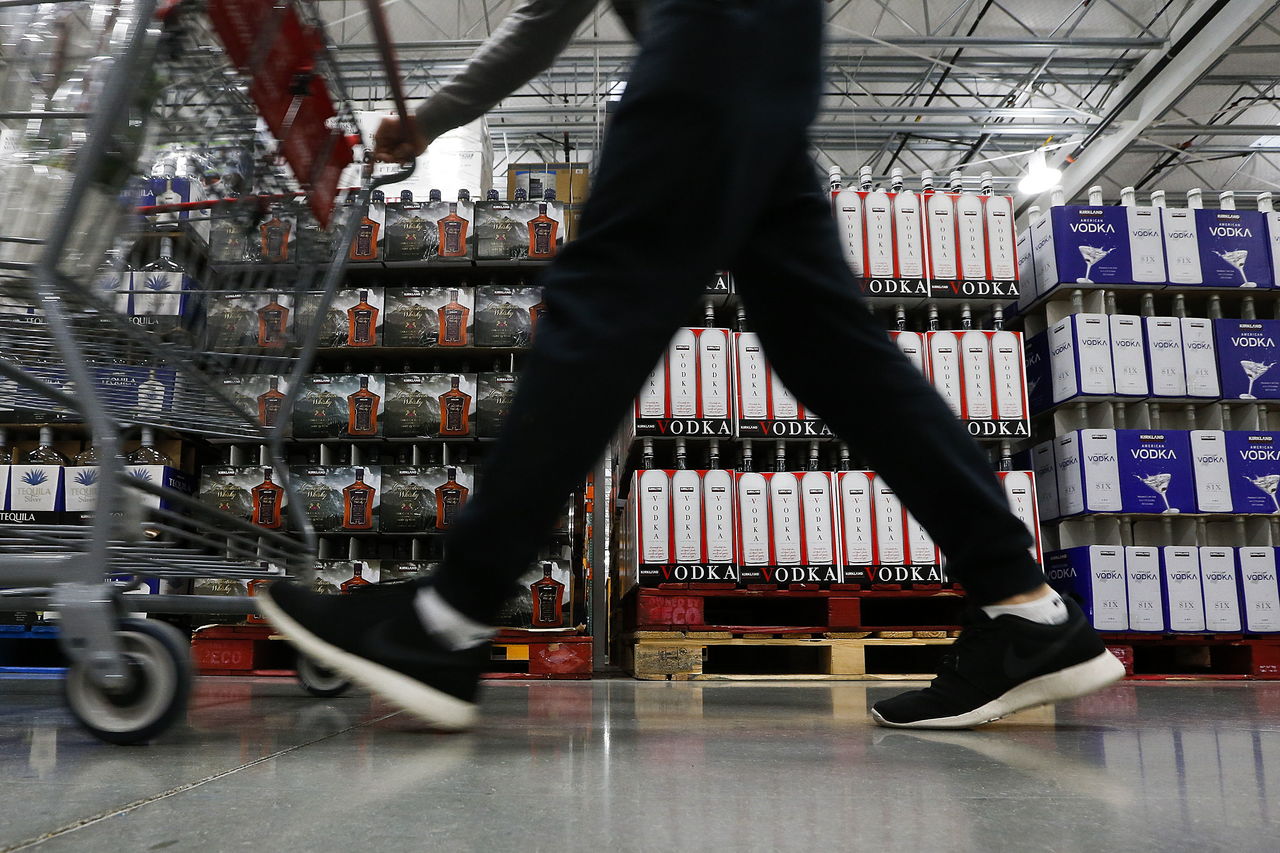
706	167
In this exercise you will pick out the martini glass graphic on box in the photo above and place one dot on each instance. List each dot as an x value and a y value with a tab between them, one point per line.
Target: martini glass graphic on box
1237	258
1091	255
1159	483
1269	483
1254	370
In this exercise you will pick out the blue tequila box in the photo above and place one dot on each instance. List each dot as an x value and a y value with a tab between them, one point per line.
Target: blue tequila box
1094	576
1234	249
1248	358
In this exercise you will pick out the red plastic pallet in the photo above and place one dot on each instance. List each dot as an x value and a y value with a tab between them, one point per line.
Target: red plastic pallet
1190	656
523	654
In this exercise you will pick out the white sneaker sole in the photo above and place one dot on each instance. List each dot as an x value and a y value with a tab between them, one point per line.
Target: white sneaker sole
436	708
1079	680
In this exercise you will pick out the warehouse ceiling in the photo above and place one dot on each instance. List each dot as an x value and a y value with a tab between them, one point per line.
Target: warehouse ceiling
1165	94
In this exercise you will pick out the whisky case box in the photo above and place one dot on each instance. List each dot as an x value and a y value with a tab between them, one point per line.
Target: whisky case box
431	230
518	611
1083	244
430	405
507	317
352	319
1253	470
764	408
161	300
1144	588
787	528
429	317
334	577
1248	354
338	497
391	571
973	249
980	375
413	497
1094	576
1221	589
1259	591
1200	358
35	494
339	406
518	230
495	393
1234	248
679	529
229	489
880	542
1127	470
1129	355
1214	486
451	486
147	391
253	320
688	393
258	395
1183	589
1166	361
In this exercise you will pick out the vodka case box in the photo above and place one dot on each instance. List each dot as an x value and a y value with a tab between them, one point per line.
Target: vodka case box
1253	470
1084	244
1130	471
339	406
880	542
689	391
1259	592
419	499
1234	248
1214	487
1220	587
1144	586
1248	355
679	529
1079	363
1022	492
1094	575
353	318
507	317
1129	356
787	525
978	255
429	405
1166	357
763	406
416	316
519	230
338	497
1183	588
1200	358
882	234
980	375
258	395
495	393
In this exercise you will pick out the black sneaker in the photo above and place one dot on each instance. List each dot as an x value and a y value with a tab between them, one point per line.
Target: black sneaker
374	637
1001	665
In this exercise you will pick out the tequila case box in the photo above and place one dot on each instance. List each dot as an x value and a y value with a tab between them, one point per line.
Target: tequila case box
980	375
519	230
1094	576
1131	471
879	541
429	317
257	320
1259	592
1183	588
1248	356
435	405
764	407
689	391
259	396
507	317
1145	588
353	318
495	393
1234	248
787	528
36	493
161	300
339	497
339	406
164	476
159	190
417	499
679	529
149	391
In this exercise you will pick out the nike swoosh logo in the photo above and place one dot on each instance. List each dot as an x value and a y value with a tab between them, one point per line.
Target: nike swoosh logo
1019	668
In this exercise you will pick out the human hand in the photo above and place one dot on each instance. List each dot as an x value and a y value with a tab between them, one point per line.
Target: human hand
397	142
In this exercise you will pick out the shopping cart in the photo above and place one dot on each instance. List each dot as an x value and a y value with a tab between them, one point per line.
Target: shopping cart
183	89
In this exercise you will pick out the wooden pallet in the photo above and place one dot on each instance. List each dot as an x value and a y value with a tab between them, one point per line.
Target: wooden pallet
766	612
1197	656
709	655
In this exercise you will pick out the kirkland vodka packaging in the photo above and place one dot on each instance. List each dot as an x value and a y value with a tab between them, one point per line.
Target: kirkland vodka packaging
1183	588
429	317
880	542
1092	244
980	375
764	407
339	406
1220	588
1131	471
1144	587
980	256
680	528
786	525
882	233
429	405
1214	485
1235	250
1249	358
1166	363
1094	575
1021	491
1259	592
688	393
1071	359
1253	470
1200	358
1128	355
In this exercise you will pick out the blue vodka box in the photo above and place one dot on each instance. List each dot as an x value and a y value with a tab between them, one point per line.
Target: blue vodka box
1094	576
1234	248
1248	358
1077	244
1253	470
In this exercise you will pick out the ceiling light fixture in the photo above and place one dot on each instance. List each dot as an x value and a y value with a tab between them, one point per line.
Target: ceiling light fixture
1040	176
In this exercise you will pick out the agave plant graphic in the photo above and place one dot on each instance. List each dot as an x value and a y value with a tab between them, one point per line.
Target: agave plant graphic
140	473
157	282
87	477
35	478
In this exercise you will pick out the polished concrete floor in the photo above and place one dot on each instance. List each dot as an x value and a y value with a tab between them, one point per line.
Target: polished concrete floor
616	765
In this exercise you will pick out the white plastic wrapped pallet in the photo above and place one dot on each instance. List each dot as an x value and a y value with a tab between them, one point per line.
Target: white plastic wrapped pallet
461	158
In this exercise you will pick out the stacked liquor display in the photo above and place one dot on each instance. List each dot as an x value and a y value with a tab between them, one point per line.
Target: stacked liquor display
1150	349
745	523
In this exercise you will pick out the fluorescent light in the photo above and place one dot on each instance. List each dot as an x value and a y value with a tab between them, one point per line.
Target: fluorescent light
1266	142
1040	177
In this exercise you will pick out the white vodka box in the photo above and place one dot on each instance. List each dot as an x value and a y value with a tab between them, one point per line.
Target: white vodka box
915	347
689	391
945	369
1028	288
1080	357
1045	469
980	375
1088	472
787	528
1129	355
857	524
680	528
1020	489
1183	590
1220	588
1200	358
1210	470
1166	367
1093	575
1259	591
1144	588
765	408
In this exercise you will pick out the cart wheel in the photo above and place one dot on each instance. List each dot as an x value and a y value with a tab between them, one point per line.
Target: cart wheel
320	681
159	659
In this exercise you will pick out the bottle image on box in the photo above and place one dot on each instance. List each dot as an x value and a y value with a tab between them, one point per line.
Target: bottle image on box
753	377
944	368
1259	592
1020	491
274	238
753	511
151	394
1210	470
452	233
686	516
269	403
450	498
1002	250
972	240
652	400
362	323
940	216
713	373
357	578
273	321
1200	358
1006	371
815	488
856	518
453	319
455	410
1168	370
908	237
682	374
1128	355
362	410
160	285
1220	589
1146	240
548	600
717	507
357	504
1181	241
784	506
364	246
267	498
878	214
1146	595
542	235
975	367
889	534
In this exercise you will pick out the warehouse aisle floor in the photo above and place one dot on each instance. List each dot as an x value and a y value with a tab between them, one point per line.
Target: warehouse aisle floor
620	765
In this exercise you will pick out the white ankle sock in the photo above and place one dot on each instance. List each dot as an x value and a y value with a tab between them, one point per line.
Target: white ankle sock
446	624
1048	609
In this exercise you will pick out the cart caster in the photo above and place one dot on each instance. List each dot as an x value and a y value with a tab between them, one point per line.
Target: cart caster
320	681
159	660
